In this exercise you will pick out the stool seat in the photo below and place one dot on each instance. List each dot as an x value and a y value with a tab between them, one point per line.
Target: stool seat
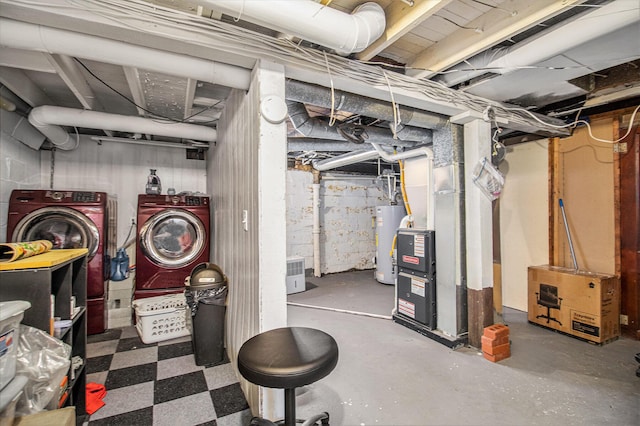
289	357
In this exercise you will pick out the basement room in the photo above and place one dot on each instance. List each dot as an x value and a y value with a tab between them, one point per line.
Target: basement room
319	212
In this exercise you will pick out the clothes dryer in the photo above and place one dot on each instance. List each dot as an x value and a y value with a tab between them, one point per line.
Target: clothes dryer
173	237
71	219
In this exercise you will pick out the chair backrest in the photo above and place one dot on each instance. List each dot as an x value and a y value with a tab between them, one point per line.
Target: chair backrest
548	294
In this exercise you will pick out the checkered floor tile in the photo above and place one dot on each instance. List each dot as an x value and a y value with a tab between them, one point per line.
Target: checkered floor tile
160	384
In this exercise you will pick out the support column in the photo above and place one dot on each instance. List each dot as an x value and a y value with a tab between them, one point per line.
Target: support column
479	232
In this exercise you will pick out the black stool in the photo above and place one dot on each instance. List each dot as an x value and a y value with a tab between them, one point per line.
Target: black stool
287	358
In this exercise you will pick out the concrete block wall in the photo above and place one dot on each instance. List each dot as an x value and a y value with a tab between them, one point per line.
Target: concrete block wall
347	220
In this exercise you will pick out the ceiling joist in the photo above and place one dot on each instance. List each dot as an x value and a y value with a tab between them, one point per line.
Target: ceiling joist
133	80
401	19
18	82
484	32
72	76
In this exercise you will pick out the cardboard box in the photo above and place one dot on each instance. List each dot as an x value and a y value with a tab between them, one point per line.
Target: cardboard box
579	303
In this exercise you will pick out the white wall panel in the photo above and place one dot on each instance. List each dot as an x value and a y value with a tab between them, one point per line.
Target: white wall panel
300	215
122	169
20	169
246	177
524	219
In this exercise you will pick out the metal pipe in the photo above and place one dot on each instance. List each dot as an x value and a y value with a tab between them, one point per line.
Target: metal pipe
48	119
316	228
345	159
566	228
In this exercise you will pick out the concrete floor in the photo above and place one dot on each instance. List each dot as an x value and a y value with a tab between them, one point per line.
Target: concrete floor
390	375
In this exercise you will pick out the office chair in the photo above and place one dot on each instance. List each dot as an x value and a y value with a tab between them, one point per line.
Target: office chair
548	297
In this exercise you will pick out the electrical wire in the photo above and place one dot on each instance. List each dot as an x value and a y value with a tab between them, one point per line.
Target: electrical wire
223	37
139	106
586	123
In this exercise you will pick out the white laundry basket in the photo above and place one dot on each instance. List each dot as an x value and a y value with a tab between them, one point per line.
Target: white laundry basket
11	314
162	318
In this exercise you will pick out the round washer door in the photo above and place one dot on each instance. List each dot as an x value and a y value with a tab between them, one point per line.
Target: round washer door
66	228
173	238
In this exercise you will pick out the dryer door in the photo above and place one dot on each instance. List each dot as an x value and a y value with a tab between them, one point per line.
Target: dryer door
66	228
172	238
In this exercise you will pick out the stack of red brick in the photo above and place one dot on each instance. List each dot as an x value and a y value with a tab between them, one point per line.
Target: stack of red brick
495	343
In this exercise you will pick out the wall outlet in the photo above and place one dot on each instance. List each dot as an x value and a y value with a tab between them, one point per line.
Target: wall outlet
624	320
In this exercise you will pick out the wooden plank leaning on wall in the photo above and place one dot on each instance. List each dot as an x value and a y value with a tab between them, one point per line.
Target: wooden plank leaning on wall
629	225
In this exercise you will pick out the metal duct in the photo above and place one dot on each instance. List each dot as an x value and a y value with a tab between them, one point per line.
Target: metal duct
316	128
321	96
311	21
19	128
47	120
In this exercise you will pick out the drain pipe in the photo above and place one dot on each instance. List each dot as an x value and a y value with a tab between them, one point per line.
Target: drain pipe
316	224
22	35
345	33
48	119
315	128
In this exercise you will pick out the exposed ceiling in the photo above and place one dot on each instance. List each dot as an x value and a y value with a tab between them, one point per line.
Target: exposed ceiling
550	56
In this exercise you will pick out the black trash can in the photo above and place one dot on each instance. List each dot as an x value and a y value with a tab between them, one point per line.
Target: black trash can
206	296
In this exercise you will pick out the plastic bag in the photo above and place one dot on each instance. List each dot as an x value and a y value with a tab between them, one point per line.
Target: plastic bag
44	360
210	296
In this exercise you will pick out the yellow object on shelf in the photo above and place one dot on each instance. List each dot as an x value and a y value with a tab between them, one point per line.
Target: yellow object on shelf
44	260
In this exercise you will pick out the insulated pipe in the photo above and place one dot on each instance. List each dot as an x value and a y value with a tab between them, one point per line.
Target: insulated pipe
321	96
47	120
311	21
345	159
315	128
22	35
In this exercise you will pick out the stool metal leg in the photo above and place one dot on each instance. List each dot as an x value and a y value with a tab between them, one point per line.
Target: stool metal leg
290	407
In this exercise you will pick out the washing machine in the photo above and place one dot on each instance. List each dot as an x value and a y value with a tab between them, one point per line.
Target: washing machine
173	237
71	219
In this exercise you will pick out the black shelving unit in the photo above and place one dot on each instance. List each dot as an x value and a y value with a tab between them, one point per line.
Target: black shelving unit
62	274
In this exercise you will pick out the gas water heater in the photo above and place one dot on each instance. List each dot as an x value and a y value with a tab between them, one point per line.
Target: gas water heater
388	219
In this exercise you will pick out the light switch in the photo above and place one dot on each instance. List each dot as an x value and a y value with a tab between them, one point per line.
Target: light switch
245	220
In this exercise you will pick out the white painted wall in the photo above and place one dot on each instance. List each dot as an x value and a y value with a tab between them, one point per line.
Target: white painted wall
122	169
19	169
524	218
347	229
246	175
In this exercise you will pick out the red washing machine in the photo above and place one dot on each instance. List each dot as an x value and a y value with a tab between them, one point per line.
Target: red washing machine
71	219
173	237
